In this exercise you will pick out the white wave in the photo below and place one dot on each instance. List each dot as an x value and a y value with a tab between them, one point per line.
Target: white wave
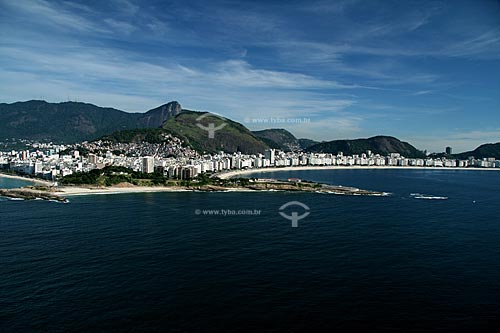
427	196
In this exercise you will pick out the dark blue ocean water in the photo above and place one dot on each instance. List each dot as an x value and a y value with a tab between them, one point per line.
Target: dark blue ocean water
13	183
148	262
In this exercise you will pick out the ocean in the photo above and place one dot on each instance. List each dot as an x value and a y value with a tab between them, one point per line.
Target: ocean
168	262
13	183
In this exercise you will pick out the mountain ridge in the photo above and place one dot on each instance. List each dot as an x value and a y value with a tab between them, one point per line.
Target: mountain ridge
191	126
157	116
282	139
69	122
486	150
380	144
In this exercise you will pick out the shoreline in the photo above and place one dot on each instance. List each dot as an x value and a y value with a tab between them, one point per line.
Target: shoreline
31	180
234	173
69	191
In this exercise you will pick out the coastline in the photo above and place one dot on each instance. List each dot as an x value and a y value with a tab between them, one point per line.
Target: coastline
234	173
68	191
31	180
64	192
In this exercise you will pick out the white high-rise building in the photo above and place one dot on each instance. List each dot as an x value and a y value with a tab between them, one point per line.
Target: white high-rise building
148	164
38	168
269	154
93	158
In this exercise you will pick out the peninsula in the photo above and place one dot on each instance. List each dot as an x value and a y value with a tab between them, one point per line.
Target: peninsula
115	180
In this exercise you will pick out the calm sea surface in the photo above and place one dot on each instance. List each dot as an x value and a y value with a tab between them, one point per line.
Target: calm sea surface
152	262
13	183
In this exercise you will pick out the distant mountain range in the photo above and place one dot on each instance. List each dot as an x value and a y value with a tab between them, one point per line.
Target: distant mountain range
483	151
282	139
70	122
382	145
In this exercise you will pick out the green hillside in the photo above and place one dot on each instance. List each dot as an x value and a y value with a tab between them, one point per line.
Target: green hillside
279	138
71	122
233	137
306	143
151	135
282	139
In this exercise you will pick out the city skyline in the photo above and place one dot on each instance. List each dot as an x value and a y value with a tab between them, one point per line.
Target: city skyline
426	72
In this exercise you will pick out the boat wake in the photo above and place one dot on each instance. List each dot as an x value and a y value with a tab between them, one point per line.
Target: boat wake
427	196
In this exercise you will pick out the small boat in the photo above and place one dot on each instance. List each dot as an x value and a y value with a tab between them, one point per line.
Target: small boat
427	197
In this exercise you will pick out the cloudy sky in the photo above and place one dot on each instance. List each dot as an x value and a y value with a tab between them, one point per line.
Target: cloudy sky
427	72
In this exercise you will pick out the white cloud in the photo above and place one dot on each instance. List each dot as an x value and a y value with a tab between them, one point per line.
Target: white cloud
249	60
486	45
459	140
240	73
328	7
127	7
48	13
233	88
120	26
344	126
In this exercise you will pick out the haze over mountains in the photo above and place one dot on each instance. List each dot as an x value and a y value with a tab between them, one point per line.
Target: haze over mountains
71	122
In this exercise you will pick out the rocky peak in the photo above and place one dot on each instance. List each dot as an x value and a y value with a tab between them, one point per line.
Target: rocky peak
157	116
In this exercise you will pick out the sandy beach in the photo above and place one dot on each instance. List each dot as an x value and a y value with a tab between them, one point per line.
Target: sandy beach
235	173
67	191
32	180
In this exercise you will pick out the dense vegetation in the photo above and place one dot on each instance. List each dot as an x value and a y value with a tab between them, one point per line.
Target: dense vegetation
306	143
278	138
151	135
233	137
112	175
282	139
71	122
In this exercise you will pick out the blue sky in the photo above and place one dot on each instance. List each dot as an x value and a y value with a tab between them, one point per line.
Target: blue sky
427	72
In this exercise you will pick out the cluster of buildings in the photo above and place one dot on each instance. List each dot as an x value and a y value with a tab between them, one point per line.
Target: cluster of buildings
169	146
175	160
